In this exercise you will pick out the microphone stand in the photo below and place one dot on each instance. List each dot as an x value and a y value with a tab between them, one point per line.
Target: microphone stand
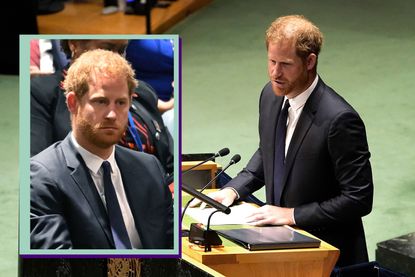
235	159
210	237
185	233
208	234
196	165
202	236
204	198
223	152
204	187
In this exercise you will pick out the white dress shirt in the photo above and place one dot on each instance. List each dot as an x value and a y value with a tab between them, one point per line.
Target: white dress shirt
94	163
294	111
296	107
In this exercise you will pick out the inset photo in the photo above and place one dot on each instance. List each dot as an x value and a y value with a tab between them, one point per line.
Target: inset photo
99	136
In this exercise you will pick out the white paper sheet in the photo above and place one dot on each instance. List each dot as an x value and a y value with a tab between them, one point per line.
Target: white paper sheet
237	215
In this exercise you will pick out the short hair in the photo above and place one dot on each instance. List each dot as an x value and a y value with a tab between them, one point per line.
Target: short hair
307	36
98	61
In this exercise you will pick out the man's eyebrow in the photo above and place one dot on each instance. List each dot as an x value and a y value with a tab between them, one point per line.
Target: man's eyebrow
123	98
98	97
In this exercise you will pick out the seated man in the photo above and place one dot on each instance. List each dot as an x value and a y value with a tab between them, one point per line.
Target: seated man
86	191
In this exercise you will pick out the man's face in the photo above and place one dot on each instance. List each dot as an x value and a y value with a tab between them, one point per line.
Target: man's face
101	116
287	72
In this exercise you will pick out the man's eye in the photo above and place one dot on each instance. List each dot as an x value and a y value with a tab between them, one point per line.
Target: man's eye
99	101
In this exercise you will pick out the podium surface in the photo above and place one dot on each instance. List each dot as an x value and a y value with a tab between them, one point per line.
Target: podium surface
235	260
231	259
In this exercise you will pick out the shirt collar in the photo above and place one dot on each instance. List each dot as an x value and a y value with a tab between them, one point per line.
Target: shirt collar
92	161
299	101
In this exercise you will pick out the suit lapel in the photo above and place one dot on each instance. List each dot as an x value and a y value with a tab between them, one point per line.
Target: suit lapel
82	178
269	139
132	191
303	125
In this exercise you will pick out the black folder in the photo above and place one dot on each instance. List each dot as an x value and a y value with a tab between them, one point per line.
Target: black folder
268	238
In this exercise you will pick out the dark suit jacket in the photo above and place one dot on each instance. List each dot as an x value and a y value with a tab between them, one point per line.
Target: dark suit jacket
49	117
67	212
328	177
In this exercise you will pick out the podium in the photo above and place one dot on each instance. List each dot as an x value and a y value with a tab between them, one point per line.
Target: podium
231	259
200	175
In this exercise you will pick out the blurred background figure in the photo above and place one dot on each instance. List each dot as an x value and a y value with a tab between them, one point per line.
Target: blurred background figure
112	6
46	57
50	6
153	62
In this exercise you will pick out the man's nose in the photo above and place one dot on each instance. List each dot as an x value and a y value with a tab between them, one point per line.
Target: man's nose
276	70
111	114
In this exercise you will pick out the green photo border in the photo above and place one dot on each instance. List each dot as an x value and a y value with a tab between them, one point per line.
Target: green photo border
24	156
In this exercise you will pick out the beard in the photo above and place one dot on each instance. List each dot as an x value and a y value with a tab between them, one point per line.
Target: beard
292	88
95	135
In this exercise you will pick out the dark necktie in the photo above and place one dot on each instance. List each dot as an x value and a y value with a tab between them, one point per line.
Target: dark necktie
279	158
119	232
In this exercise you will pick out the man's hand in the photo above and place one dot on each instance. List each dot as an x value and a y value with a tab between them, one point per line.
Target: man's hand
225	196
272	215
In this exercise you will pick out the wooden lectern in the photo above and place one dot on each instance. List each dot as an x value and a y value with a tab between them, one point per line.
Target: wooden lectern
231	259
200	175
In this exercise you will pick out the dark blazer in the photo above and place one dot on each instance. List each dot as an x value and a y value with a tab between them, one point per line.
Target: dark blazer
66	210
328	178
49	117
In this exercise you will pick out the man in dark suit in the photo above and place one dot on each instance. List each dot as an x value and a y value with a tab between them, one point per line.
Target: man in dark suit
323	182
86	191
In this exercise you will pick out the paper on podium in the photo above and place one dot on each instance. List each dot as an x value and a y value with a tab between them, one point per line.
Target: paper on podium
237	216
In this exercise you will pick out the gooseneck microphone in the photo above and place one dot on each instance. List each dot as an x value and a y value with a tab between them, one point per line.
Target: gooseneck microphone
221	153
198	234
215	204
235	159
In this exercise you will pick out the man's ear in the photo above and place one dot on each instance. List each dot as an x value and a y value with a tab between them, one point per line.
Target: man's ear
311	61
72	102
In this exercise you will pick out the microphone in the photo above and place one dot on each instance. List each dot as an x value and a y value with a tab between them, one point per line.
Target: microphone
197	233
215	204
223	152
235	159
